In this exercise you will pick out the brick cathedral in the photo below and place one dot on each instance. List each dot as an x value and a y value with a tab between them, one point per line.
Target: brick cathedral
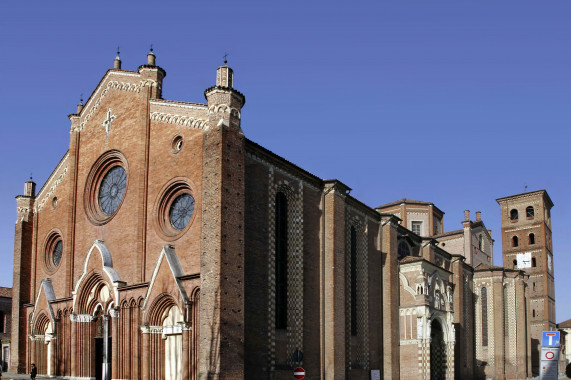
167	245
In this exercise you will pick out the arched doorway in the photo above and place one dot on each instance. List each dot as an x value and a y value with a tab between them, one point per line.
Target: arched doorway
437	352
172	332
102	345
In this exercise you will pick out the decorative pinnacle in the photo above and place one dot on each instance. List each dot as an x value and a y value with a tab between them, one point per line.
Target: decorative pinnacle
151	50
118	53
225	58
30	176
81	99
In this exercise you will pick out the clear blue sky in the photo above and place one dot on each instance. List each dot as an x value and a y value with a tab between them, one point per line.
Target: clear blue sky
454	102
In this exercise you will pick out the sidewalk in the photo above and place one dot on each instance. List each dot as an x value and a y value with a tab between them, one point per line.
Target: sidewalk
12	376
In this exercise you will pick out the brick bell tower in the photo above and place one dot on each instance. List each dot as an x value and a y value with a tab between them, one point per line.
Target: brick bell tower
222	249
527	245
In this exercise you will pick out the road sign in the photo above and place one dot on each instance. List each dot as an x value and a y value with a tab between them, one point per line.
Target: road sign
299	373
550	339
548	363
550	354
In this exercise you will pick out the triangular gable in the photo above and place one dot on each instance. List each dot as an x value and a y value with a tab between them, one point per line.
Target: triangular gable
168	253
43	303
129	81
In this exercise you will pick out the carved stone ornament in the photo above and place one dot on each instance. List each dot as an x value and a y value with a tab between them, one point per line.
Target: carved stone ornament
145	329
82	318
114	313
108	120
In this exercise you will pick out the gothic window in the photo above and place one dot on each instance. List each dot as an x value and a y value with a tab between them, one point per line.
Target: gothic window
533	262
515	241
281	260
353	281
532	238
529	212
484	317
481	243
403	249
417	228
513	214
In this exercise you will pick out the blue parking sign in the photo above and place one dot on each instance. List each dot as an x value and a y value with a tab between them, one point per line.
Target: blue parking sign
550	339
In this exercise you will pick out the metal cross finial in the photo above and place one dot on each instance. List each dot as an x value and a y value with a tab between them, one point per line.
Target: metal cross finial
151	48
225	58
81	98
525	189
117	50
30	176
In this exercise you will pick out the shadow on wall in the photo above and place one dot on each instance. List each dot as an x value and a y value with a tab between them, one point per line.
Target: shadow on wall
479	371
535	348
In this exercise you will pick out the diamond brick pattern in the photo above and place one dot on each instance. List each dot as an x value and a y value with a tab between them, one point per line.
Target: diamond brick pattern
294	270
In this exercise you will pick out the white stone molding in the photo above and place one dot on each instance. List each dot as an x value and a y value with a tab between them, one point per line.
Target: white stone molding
40	205
114	313
168	253
146	329
108	120
36	338
225	109
112	84
107	266
172	103
47	290
23	213
187	121
406	285
81	318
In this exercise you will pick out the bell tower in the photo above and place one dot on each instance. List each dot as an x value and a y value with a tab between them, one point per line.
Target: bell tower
527	246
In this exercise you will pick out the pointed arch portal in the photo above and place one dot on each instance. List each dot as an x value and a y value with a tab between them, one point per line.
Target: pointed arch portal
437	352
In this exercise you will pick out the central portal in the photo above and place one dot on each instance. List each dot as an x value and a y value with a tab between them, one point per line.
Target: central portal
102	342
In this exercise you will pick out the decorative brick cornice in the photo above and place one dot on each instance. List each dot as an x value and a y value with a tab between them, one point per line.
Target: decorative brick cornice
187	121
122	86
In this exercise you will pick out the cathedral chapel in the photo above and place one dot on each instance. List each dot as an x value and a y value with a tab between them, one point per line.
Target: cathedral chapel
167	245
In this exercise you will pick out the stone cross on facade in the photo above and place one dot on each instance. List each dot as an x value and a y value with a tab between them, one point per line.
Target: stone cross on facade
108	120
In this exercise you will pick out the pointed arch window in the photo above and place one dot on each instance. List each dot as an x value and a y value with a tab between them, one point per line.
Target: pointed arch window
513	214
484	317
515	241
353	281
529	211
281	260
532	238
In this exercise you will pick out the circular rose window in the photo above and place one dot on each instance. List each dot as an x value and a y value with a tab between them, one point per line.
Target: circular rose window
181	211
53	251
175	208
105	187
112	190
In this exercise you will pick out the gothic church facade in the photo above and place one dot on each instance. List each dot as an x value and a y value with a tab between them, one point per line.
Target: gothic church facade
166	245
